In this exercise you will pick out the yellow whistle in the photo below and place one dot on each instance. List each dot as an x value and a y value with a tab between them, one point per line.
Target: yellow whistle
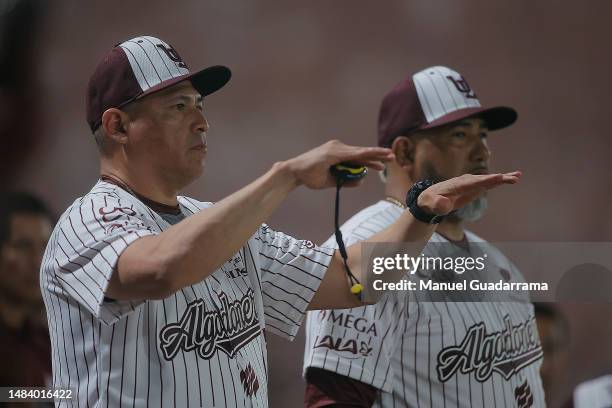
356	289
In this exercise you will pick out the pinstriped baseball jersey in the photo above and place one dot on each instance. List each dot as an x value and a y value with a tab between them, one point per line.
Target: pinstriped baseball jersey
201	346
430	354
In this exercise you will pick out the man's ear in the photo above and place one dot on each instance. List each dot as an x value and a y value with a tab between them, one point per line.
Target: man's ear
403	147
114	122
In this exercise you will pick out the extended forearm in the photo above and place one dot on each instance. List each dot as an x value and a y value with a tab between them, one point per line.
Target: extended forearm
186	253
156	266
200	244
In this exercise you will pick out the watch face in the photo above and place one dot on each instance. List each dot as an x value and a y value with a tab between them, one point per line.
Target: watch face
417	189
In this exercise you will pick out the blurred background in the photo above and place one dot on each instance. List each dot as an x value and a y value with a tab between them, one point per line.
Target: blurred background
306	72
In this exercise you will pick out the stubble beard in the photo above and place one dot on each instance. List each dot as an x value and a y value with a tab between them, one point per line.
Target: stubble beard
471	212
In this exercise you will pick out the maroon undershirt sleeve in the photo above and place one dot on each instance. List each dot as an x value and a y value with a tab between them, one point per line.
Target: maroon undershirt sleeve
331	390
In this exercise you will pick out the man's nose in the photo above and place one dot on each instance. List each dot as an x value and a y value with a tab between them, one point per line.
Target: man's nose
201	124
481	151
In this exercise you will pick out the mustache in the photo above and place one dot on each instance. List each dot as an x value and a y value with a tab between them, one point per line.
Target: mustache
429	172
482	169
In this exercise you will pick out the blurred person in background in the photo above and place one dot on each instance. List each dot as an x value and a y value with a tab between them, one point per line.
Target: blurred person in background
20	88
593	393
25	226
554	337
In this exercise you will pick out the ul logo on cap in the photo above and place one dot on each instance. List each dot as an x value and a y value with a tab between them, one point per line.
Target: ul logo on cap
462	86
173	55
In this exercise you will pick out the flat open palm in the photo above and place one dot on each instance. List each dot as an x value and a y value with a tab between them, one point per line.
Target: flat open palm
451	194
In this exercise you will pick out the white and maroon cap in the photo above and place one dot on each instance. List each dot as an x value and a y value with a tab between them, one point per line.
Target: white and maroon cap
434	97
139	67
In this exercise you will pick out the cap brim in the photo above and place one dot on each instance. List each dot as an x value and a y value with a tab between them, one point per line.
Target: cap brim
211	79
495	118
205	81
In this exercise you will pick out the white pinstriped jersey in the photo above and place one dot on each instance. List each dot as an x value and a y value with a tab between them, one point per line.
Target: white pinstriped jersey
430	354
202	346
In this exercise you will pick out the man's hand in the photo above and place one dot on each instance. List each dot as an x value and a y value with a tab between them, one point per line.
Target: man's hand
449	195
312	168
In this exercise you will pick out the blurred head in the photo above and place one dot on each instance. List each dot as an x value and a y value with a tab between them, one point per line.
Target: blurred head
25	227
144	107
554	334
437	128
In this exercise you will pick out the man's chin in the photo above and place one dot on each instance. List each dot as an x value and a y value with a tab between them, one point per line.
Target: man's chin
196	173
471	212
188	175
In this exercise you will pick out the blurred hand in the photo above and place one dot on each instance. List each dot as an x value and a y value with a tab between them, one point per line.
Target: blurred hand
451	194
312	168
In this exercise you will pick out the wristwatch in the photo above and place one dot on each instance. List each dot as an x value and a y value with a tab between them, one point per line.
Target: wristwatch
416	211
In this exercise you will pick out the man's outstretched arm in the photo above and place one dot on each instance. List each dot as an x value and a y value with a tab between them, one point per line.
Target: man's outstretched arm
156	266
439	199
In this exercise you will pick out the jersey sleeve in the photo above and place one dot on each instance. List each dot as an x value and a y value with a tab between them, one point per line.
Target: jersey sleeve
359	343
87	244
291	271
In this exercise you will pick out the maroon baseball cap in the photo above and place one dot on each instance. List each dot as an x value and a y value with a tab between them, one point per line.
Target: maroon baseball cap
434	97
140	67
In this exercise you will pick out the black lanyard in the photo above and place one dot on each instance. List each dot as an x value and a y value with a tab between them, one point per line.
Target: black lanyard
356	286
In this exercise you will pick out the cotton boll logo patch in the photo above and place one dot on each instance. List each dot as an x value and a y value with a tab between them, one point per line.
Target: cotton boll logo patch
110	214
123	218
523	395
249	380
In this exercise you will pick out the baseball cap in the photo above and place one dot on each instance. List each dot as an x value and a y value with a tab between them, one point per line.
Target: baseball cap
140	67
434	97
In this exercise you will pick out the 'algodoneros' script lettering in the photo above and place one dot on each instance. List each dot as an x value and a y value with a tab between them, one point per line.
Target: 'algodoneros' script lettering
506	351
227	329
